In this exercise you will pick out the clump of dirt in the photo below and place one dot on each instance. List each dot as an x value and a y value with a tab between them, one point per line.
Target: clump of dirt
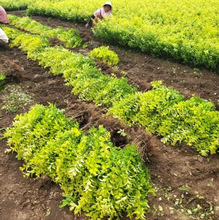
14	72
55	42
132	81
109	69
87	115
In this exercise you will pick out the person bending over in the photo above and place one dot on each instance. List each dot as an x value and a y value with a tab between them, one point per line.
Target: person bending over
100	14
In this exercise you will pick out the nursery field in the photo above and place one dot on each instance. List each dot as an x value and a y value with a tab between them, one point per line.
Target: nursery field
122	134
181	30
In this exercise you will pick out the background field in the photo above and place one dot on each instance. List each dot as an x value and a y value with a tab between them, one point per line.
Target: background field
185	31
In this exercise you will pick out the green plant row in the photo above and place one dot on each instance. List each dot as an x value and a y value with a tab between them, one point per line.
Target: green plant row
105	55
162	110
11	5
79	71
71	38
87	81
183	30
203	53
96	177
65	10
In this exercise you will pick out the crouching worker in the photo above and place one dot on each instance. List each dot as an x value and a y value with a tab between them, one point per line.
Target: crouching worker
105	11
3	16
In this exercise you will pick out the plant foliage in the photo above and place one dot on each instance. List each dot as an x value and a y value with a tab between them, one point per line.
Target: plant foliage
105	55
183	30
2	80
11	5
162	110
97	177
70	37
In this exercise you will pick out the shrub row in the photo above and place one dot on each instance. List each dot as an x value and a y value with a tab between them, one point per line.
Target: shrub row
96	177
162	110
186	32
71	38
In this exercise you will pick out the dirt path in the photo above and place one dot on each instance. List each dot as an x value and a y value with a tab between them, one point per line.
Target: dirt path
184	180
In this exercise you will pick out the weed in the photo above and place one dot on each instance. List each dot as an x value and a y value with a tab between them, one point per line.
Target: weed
15	98
184	188
122	132
47	213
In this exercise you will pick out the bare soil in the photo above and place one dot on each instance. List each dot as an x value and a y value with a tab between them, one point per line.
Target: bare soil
183	179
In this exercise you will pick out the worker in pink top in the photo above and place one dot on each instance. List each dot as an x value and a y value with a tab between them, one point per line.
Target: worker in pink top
100	14
3	16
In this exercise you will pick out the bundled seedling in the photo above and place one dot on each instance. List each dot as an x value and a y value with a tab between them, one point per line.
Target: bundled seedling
97	177
105	55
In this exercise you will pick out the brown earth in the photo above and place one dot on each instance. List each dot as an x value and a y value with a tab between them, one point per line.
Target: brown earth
170	167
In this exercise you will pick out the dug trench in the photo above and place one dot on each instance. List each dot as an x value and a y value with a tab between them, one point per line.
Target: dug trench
183	179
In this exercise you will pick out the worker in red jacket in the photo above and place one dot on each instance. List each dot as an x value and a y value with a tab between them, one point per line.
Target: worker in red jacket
3	16
105	11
